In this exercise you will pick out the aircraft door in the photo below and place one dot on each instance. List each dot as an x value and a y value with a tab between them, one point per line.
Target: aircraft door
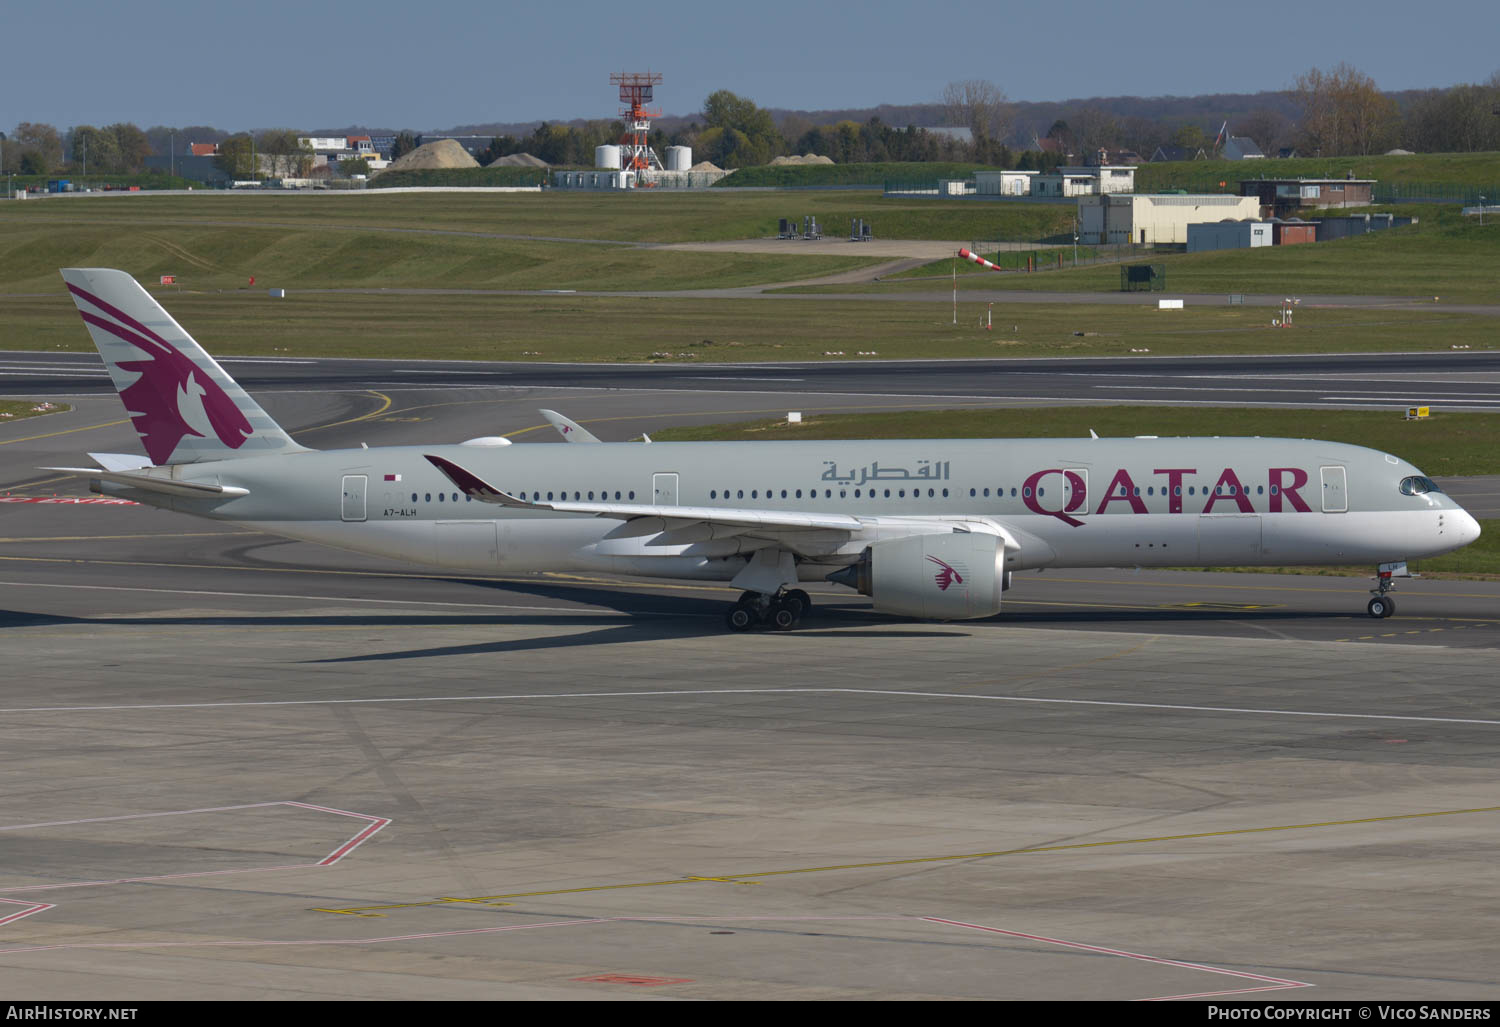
1335	490
664	488
354	496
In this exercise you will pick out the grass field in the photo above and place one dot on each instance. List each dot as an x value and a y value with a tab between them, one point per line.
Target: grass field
1445	254
641	215
566	328
451	242
214	257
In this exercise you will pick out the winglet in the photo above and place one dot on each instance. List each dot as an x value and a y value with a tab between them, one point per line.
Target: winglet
570	430
471	484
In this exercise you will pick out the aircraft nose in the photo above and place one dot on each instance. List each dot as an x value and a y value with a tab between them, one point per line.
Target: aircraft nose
1468	527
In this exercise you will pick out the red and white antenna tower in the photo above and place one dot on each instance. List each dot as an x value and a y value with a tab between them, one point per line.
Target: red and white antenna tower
636	90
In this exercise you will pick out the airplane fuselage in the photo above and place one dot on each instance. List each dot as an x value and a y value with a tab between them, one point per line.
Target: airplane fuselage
1058	502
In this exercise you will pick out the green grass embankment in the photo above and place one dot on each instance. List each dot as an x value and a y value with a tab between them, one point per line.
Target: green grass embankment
1450	169
790	176
207	257
635	216
12	410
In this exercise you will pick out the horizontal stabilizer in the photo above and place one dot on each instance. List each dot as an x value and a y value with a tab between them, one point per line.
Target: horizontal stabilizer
121	461
152	483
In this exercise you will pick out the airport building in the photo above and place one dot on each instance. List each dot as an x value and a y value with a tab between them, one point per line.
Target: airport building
1154	220
1228	235
1284	196
1085	181
1004	183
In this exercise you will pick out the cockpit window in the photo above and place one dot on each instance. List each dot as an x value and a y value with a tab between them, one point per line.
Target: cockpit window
1417	485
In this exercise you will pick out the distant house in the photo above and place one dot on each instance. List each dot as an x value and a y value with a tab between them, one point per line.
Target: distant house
1051	145
202	149
1166	153
1242	148
1286	153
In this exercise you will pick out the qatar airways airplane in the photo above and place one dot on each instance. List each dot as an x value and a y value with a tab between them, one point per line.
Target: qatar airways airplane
928	528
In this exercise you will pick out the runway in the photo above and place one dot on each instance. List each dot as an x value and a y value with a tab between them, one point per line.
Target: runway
239	767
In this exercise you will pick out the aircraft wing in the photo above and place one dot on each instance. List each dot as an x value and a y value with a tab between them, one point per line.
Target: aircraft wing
570	430
812	535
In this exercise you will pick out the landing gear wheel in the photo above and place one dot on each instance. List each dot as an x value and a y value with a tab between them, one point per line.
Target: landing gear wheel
741	617
796	596
783	616
1381	607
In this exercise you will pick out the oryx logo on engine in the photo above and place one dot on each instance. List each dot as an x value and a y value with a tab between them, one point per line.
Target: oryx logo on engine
946	577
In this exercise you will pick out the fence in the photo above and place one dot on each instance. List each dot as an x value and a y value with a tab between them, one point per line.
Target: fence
1435	192
1056	255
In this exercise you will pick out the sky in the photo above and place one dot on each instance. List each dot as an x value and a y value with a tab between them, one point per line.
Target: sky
441	63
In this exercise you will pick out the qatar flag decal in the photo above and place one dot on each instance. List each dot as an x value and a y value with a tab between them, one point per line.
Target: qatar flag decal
393	477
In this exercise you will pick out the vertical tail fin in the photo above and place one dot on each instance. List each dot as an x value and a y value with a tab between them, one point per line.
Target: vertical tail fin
184	406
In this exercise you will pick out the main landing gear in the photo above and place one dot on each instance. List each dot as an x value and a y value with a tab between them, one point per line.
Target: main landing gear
779	612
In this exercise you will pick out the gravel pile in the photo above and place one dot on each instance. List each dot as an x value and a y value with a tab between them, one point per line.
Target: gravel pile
444	153
518	160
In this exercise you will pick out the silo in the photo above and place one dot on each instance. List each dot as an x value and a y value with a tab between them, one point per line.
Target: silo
607	157
679	158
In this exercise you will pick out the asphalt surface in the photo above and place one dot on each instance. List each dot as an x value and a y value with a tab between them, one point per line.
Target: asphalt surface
1455	380
241	767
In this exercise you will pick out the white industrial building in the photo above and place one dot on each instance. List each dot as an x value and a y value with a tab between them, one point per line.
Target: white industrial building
1004	183
1155	219
1228	235
1086	181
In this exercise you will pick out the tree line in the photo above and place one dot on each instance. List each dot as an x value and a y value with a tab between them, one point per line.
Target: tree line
1336	112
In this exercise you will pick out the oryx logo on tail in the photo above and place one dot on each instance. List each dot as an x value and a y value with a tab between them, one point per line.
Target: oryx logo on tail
946	577
172	397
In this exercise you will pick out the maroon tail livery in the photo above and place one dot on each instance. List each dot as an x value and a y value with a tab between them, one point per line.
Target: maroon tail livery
174	392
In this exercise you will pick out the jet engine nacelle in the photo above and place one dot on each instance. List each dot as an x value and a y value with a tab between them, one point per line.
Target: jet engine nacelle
957	576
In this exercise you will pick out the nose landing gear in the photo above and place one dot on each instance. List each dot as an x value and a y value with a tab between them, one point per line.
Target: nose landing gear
1383	605
779	612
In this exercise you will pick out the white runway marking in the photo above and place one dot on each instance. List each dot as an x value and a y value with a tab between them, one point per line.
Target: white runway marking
1173	707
